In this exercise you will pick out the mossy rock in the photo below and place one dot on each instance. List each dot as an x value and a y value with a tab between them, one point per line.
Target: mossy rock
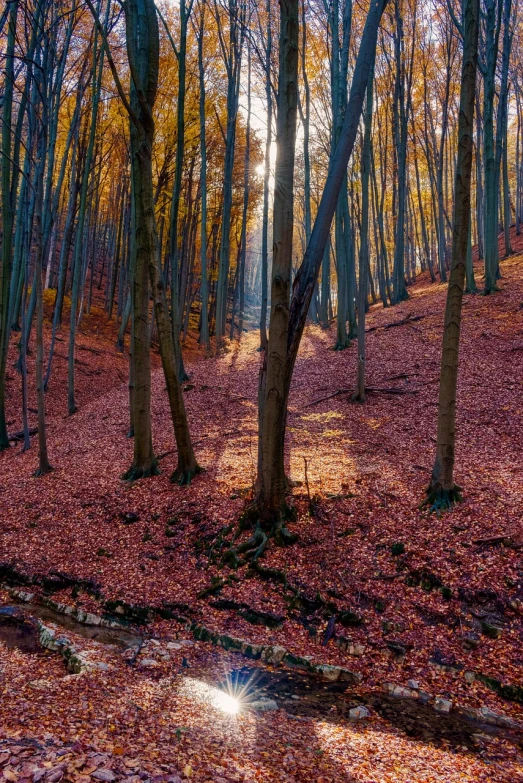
397	549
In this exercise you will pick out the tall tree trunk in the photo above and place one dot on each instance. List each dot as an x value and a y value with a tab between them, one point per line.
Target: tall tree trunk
442	491
204	326
271	473
289	324
364	259
7	211
143	54
266	180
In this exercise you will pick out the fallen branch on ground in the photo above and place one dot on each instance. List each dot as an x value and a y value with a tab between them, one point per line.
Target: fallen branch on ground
17	437
404	322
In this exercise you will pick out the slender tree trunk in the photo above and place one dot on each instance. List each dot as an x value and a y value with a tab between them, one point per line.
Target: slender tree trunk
359	393
204	326
266	180
442	491
7	211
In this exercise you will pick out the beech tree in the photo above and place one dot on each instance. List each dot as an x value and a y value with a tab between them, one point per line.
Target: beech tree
442	491
290	314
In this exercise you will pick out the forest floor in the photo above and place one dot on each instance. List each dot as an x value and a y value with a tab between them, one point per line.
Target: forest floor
414	597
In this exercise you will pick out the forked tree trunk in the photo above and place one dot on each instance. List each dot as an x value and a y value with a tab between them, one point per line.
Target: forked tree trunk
442	492
289	324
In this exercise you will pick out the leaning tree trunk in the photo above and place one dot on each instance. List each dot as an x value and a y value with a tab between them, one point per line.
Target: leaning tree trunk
442	492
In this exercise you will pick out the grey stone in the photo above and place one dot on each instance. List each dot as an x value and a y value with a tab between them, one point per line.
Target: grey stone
346	675
399	691
414	684
274	654
92	619
148	663
22	595
174	646
230	642
496	719
442	705
470	676
252	650
359	713
328	673
264	705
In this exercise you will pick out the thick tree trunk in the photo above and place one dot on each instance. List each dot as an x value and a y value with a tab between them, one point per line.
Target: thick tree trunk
289	324
271	473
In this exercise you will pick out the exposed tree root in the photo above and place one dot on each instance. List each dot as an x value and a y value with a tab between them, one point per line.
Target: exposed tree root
184	476
43	471
136	472
248	552
439	499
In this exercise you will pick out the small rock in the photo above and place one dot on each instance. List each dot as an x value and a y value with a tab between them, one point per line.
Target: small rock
328	673
263	705
491	630
174	646
496	719
471	641
479	738
414	684
442	705
359	713
274	654
516	604
92	619
252	650
398	691
470	676
346	675
130	517
149	663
